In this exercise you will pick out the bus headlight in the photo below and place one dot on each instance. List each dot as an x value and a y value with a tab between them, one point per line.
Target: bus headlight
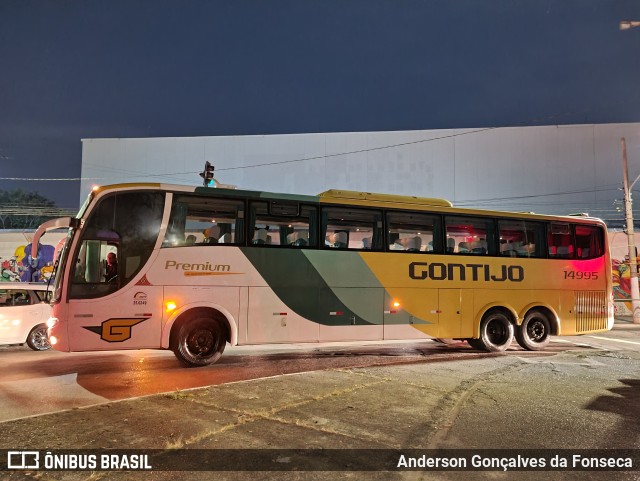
52	321
53	340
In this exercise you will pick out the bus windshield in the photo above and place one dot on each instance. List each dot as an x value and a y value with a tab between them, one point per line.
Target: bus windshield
116	241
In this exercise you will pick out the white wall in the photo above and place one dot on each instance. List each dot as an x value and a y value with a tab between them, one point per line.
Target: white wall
524	168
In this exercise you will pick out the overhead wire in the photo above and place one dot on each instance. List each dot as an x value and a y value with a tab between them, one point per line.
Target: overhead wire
504	201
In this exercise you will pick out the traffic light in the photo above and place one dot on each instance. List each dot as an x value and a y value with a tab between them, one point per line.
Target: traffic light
207	173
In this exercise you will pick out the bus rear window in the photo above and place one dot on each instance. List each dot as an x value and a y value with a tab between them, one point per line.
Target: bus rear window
568	241
589	242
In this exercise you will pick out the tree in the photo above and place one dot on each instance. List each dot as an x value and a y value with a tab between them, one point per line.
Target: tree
25	210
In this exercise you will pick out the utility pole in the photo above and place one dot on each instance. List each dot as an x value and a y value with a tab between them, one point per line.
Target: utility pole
633	264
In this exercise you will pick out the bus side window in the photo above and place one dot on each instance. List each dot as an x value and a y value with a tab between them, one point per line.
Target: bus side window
282	224
473	235
202	220
352	228
560	241
413	232
521	238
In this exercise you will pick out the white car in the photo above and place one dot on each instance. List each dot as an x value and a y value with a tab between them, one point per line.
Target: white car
24	312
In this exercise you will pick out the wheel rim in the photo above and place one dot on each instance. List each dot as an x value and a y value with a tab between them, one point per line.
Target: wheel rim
536	330
496	332
201	343
40	340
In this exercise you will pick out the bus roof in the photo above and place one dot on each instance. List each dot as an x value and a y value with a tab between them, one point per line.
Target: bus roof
356	198
334	195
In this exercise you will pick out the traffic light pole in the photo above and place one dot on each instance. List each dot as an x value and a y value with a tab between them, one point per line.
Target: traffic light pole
633	263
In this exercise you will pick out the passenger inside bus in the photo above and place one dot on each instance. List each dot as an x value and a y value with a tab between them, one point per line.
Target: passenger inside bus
303	238
298	239
451	245
340	240
111	272
479	247
226	239
509	249
412	244
260	236
211	235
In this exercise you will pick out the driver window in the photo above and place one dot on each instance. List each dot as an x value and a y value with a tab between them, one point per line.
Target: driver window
96	269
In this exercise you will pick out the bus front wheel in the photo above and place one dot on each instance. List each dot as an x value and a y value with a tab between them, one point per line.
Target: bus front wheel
535	331
496	331
199	342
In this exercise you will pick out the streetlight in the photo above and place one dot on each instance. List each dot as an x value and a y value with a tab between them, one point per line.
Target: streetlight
633	263
627	24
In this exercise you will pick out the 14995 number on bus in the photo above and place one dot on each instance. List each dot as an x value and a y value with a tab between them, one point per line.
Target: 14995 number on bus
579	275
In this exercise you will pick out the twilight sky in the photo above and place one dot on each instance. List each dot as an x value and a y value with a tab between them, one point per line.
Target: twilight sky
73	69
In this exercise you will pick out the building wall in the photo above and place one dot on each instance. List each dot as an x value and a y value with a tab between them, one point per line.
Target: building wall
545	169
14	265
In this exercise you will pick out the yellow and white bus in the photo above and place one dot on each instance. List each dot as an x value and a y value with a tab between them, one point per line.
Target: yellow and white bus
201	267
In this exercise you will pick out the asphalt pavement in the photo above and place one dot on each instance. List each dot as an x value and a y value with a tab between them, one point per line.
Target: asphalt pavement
358	421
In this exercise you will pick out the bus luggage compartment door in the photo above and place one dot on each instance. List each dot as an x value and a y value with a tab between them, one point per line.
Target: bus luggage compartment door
450	309
350	313
411	313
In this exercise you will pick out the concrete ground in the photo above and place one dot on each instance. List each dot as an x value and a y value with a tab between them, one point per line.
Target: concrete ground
583	399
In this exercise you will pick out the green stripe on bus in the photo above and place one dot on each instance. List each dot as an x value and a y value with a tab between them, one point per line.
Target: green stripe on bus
299	285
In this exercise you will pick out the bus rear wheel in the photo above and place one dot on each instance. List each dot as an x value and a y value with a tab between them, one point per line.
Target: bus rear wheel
496	332
200	342
476	343
535	331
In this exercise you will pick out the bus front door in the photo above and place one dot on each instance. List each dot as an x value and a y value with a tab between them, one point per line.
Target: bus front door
132	321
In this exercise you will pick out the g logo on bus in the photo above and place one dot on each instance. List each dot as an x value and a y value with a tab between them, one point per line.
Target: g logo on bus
115	330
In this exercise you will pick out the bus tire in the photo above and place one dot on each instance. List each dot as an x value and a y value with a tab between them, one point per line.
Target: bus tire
200	341
534	333
496	331
476	343
38	339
